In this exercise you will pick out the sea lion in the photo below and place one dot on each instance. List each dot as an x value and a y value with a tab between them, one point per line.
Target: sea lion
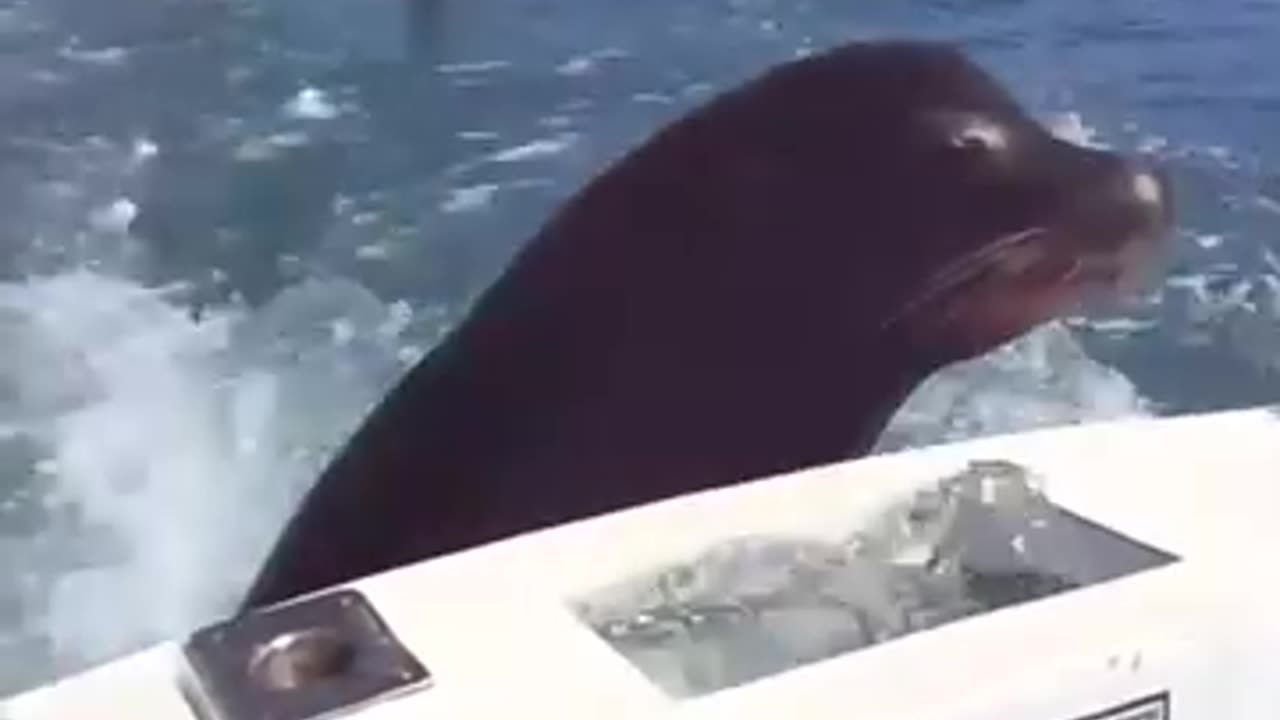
753	290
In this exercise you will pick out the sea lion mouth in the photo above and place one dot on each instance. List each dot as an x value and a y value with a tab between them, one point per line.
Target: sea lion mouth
1015	282
1104	219
962	271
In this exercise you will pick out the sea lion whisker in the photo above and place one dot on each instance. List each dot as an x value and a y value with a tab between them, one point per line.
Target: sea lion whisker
962	269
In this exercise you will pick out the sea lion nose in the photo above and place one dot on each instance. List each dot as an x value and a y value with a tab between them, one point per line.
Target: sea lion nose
1148	191
1127	200
1147	187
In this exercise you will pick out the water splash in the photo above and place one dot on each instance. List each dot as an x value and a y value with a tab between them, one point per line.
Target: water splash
984	538
149	456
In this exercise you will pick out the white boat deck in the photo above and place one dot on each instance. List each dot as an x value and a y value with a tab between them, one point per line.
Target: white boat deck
494	628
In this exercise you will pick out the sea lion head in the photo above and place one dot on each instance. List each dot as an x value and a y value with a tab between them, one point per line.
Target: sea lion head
900	181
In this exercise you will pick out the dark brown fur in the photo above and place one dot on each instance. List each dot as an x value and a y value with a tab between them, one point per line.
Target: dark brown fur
755	289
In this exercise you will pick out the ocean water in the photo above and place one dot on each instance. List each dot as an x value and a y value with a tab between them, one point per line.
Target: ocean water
227	225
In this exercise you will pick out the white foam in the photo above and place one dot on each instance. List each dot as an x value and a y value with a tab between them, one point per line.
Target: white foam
107	56
144	149
556	122
1040	380
1268	204
1119	326
311	104
1152	143
473	67
180	445
575	66
652	98
588	63
1271	260
468	199
373	251
477	135
1071	127
543	147
258	149
126	449
115	217
1209	241
1220	153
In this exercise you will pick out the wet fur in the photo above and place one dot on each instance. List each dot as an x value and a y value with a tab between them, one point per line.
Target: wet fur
710	309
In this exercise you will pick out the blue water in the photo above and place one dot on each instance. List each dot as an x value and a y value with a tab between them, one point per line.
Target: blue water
226	225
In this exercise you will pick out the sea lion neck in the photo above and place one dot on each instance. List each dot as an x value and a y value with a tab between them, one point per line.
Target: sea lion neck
622	358
587	371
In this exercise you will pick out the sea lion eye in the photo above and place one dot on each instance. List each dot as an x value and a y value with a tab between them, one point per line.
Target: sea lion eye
979	135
